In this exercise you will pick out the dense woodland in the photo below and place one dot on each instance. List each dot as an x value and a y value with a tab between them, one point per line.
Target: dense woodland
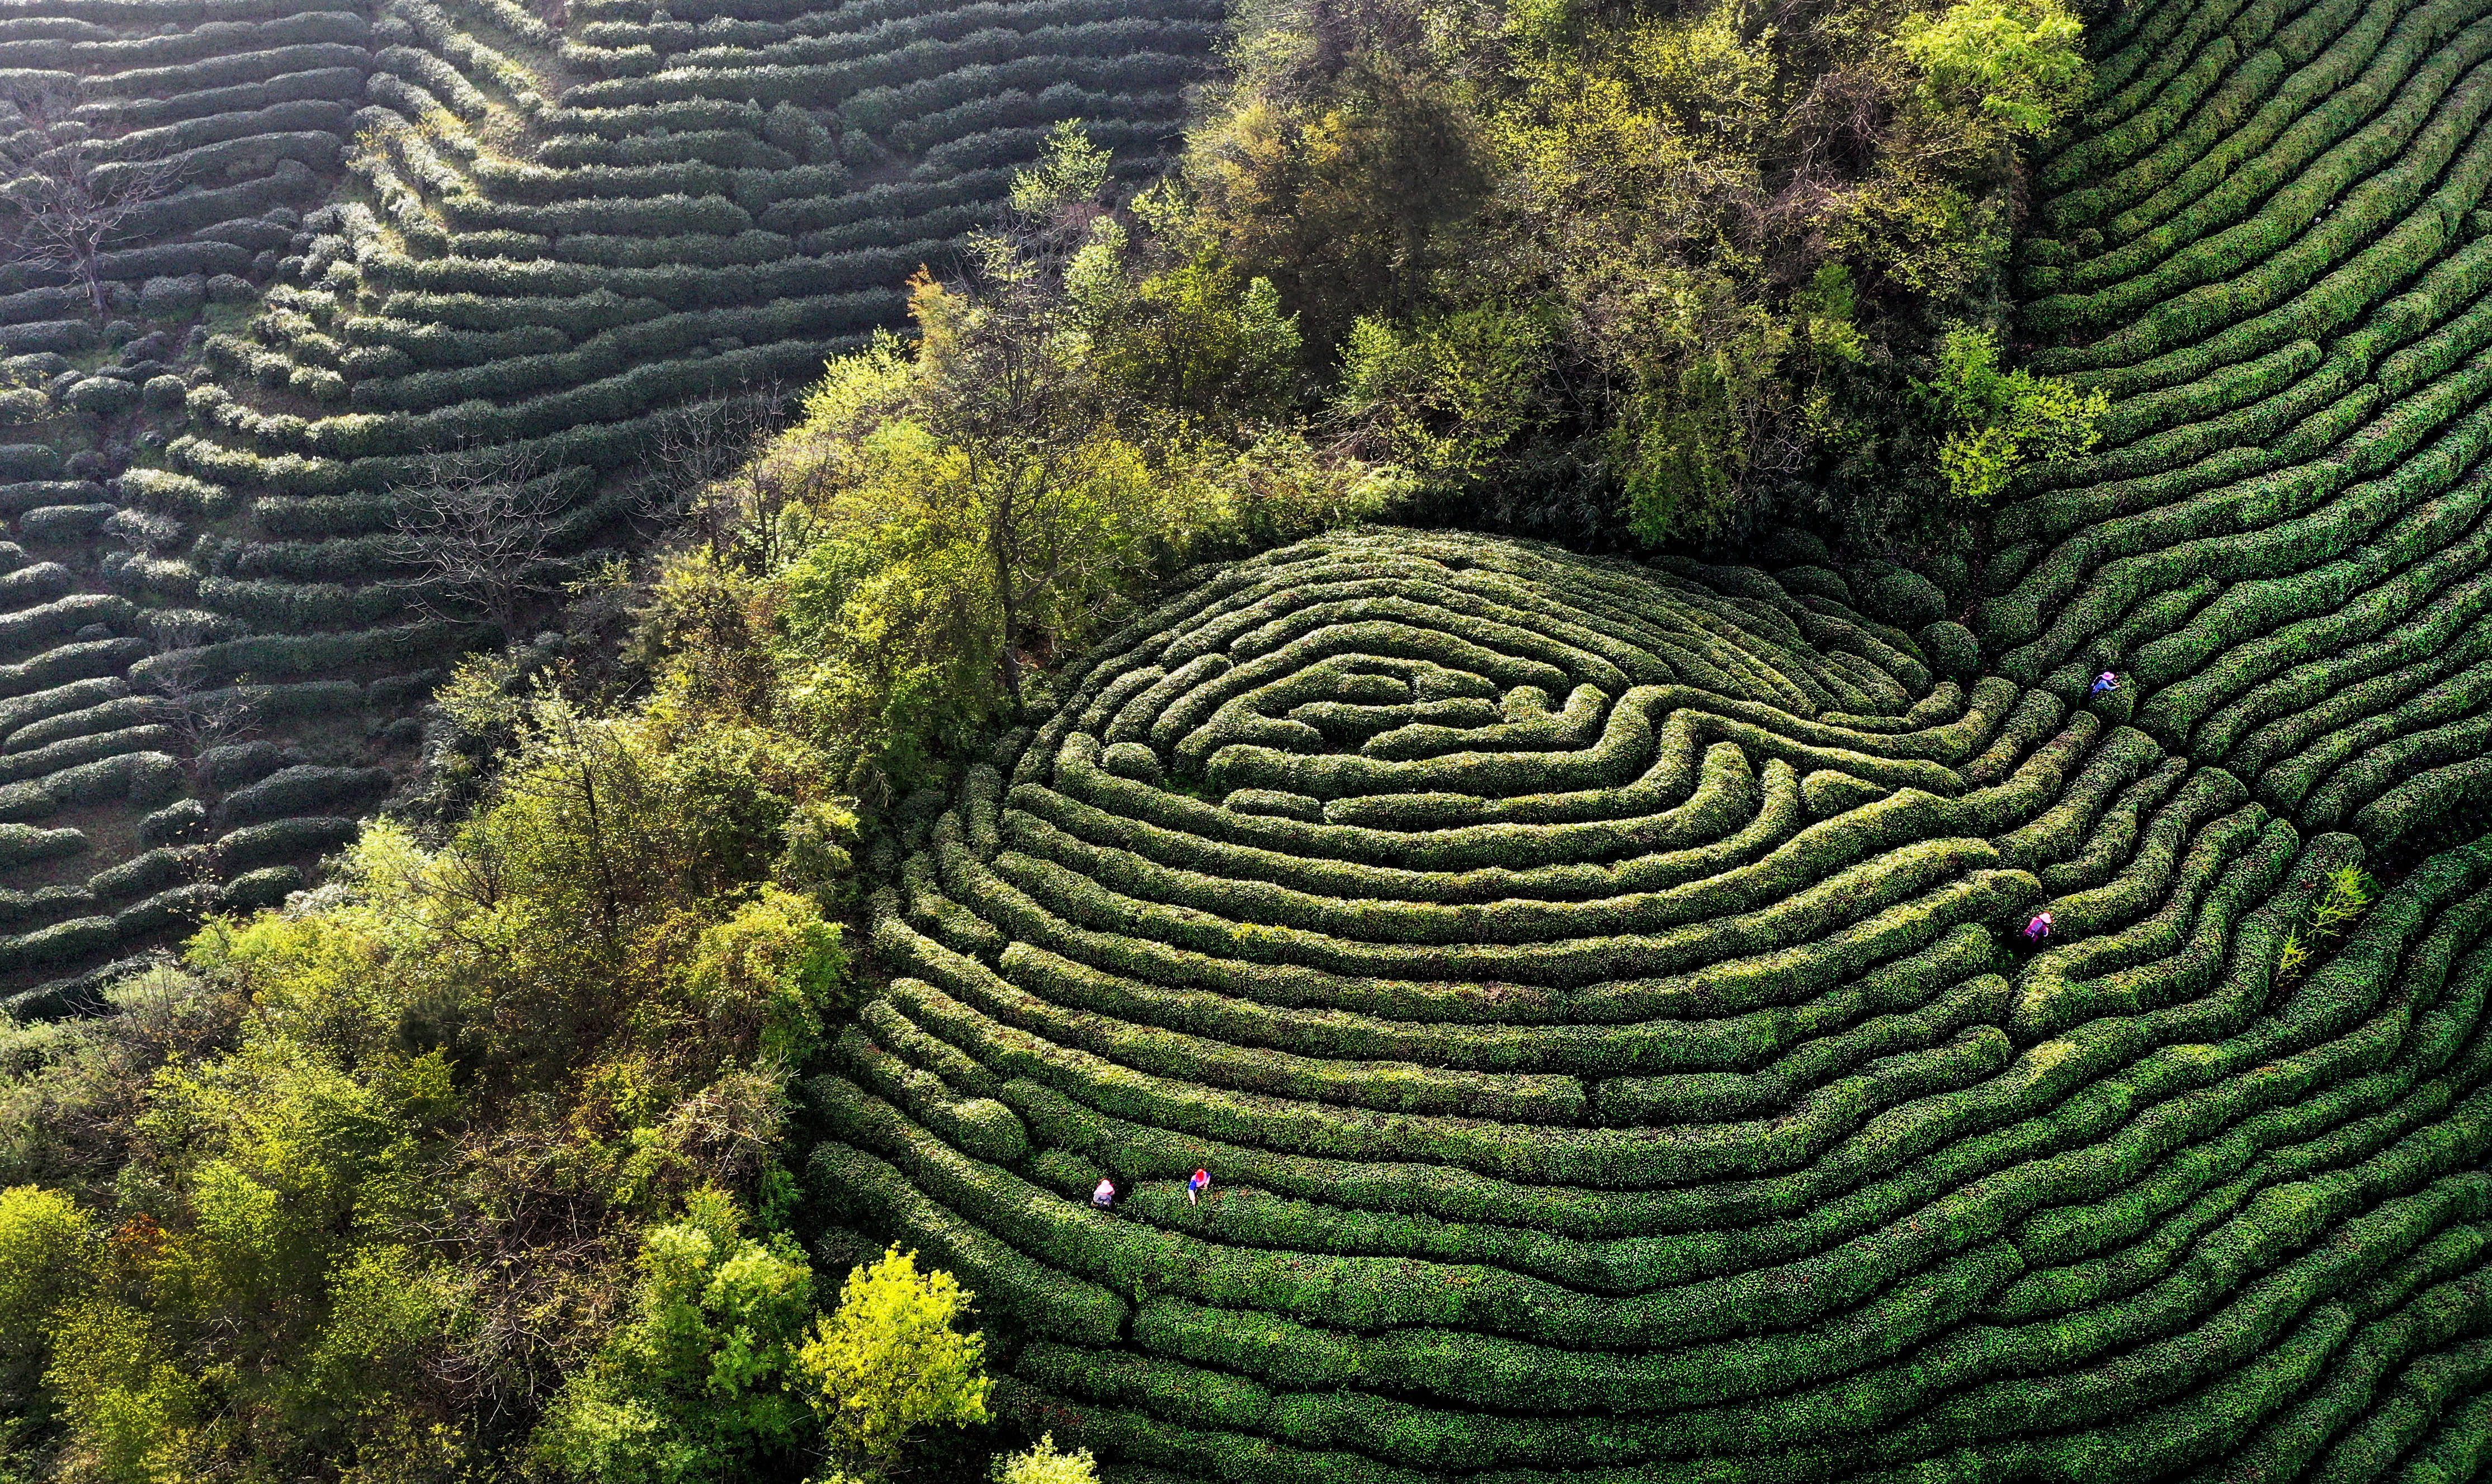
473	1161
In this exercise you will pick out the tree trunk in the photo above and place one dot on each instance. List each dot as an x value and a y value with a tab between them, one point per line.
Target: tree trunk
607	893
94	290
1011	612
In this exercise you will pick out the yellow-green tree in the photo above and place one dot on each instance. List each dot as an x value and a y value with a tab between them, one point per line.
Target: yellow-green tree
890	1362
1043	1463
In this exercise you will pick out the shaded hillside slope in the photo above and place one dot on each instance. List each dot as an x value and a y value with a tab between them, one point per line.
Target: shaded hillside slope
403	232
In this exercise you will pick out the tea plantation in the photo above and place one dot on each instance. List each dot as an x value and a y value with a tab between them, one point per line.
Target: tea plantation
1583	984
1589	986
1593	987
402	230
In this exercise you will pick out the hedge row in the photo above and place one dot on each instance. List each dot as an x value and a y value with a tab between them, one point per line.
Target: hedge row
855	33
752	188
300	791
225	69
2284	536
340	85
877	92
729	149
274	654
601	422
612	352
2419	131
311	114
677	286
1501	1183
2241	118
209	39
469	55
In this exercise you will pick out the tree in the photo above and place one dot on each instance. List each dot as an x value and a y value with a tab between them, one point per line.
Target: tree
1174	323
889	1362
1997	421
1344	148
706	452
694	1387
70	205
996	384
477	530
44	1257
2019	62
1043	1463
201	712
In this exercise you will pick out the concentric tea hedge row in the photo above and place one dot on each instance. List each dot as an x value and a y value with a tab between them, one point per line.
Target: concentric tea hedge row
1586	991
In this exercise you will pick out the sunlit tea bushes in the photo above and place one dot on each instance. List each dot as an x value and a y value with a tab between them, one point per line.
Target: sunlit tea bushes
1602	1065
2281	544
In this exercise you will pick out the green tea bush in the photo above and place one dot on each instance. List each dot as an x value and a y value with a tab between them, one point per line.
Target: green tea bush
336	84
225	69
302	789
283	839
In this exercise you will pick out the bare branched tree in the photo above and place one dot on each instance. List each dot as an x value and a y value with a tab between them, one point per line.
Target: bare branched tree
715	481
202	712
1000	390
475	533
66	205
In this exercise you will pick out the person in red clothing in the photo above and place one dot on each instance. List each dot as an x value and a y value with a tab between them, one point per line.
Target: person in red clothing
1104	1196
1195	1187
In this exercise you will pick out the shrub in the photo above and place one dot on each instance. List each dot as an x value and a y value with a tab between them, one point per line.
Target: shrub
23	844
102	396
299	790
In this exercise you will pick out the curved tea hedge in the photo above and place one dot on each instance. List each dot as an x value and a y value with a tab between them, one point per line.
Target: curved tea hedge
1584	984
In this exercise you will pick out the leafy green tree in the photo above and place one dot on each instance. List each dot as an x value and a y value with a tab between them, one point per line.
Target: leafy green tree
1174	326
2019	62
1663	194
1345	145
138	1414
47	1255
1997	421
1097	403
698	1384
377	1169
1448	395
769	974
70	1089
890	1362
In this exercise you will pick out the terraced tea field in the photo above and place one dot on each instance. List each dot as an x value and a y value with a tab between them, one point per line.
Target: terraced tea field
401	232
1587	984
1590	987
